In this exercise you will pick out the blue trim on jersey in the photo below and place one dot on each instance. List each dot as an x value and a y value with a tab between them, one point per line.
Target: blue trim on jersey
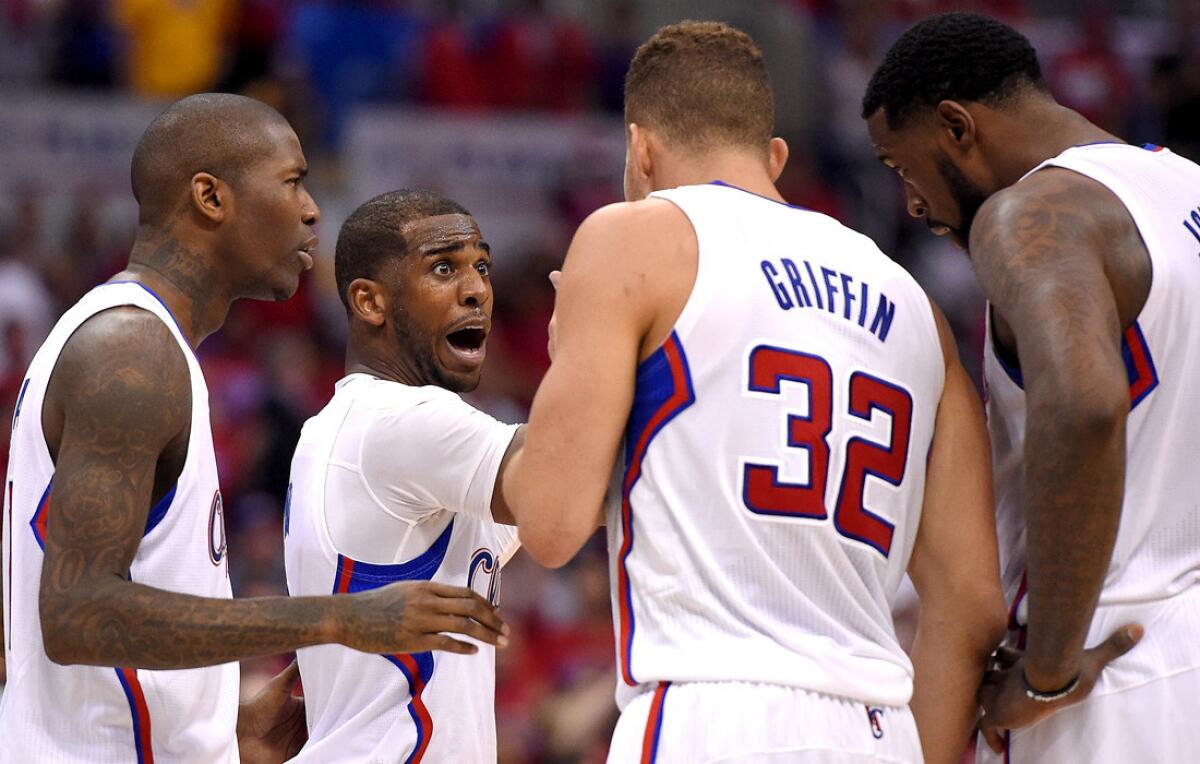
1152	147
20	400
760	196
1013	372
662	706
133	712
424	663
159	511
661	392
653	387
366	576
1131	369
39	518
353	576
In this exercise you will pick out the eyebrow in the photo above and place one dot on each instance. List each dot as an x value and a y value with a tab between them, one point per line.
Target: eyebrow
454	246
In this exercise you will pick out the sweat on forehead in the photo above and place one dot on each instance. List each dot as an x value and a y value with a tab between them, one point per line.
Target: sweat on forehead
219	133
375	232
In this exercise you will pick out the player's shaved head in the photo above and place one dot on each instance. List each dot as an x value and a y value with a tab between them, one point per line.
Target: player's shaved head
702	85
218	133
373	234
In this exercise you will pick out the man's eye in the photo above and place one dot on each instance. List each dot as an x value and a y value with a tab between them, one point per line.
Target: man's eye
442	268
484	268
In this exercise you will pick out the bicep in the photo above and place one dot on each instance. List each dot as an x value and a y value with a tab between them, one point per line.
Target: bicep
121	406
440	454
583	403
1040	265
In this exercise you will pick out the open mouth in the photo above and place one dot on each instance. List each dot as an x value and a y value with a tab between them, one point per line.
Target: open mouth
467	341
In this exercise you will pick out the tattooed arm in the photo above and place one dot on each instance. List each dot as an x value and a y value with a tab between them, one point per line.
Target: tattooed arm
1043	251
117	409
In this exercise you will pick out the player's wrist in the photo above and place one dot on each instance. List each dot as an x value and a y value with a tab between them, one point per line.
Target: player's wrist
1043	693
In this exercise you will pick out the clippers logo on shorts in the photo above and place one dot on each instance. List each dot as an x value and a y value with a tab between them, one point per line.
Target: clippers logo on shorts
875	717
216	530
484	561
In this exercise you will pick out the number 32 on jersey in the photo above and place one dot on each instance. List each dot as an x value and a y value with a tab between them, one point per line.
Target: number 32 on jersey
764	493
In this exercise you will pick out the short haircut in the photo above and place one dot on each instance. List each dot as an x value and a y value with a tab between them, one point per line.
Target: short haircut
952	56
218	133
372	236
701	84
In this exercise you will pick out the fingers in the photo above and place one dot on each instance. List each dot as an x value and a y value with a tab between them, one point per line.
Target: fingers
1005	657
1118	643
451	645
457	600
993	737
458	624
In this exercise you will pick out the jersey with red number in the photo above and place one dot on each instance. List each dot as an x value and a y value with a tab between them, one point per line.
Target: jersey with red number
775	460
1152	578
92	713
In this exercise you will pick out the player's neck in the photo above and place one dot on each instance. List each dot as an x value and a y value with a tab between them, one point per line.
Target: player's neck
1040	130
182	279
734	168
363	358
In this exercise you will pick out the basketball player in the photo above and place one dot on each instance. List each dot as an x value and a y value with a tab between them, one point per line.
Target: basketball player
114	544
1087	249
397	479
798	432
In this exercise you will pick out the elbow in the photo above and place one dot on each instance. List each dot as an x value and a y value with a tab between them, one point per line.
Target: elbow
547	549
1097	414
58	636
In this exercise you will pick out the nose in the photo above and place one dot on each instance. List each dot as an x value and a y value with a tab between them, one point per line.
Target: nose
915	203
474	290
310	213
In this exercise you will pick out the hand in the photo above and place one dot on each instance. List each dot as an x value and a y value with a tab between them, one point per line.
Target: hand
552	329
271	727
1005	704
409	616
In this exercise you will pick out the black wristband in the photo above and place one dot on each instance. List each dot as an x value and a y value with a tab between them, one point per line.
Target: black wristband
1052	696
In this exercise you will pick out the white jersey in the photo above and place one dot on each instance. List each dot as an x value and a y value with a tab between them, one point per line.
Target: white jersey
1157	554
394	483
94	714
775	460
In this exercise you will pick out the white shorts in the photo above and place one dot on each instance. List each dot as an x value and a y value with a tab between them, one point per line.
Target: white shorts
1153	722
701	722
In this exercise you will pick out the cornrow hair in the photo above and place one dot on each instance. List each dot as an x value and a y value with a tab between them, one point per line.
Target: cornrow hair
951	56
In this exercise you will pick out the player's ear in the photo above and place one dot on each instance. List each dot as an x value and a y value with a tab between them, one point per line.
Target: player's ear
368	301
777	156
639	151
957	126
210	196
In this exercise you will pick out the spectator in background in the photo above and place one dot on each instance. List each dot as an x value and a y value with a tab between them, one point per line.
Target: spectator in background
173	49
82	45
1090	78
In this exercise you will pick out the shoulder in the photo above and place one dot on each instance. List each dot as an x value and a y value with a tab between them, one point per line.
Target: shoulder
124	364
1053	207
634	227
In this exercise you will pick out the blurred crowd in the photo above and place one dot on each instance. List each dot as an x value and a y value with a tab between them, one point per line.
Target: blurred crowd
1130	67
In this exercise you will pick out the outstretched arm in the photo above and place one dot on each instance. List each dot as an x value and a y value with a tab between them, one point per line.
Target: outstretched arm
1038	251
122	386
954	568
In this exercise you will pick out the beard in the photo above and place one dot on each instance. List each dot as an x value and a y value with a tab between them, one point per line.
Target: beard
418	345
965	194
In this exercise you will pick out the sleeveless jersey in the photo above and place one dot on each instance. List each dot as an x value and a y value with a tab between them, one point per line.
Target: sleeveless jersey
775	460
94	714
416	466
1156	560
